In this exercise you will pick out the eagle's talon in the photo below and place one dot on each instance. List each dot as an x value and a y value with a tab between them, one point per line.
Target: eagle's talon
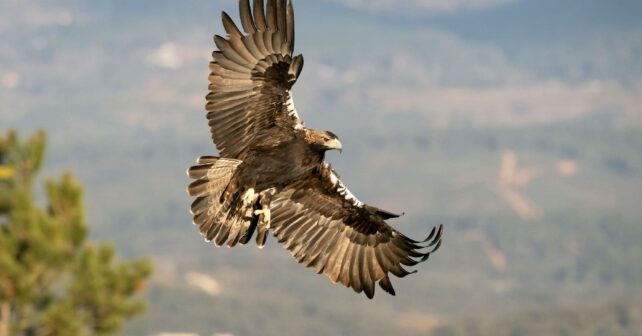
265	217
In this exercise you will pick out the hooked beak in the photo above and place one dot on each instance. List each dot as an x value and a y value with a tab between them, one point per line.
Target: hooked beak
335	144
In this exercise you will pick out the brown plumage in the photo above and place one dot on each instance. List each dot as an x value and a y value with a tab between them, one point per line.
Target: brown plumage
271	174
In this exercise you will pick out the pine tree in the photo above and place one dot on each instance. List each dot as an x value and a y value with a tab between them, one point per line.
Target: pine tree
52	281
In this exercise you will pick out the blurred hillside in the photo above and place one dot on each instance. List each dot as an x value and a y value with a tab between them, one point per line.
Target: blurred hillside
514	123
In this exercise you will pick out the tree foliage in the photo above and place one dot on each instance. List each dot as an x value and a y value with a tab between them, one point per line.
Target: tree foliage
52	281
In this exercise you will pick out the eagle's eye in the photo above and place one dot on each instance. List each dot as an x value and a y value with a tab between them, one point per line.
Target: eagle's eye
326	139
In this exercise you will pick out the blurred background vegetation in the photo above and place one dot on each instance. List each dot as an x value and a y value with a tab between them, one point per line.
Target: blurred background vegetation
52	281
515	123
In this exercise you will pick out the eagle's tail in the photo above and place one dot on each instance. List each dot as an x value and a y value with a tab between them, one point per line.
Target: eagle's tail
222	216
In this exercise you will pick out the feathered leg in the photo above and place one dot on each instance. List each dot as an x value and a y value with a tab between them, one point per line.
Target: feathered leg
264	215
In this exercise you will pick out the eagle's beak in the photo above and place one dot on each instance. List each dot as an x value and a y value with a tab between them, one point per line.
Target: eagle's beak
334	144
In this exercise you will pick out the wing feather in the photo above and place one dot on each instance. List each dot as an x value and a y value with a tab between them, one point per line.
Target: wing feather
344	278
317	241
230	27
386	285
327	249
252	47
281	20
369	275
231	52
267	42
290	29
223	73
251	78
336	260
357	268
325	227
277	42
259	15
270	12
246	17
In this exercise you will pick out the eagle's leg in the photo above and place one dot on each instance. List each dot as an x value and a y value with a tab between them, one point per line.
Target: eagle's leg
265	215
249	197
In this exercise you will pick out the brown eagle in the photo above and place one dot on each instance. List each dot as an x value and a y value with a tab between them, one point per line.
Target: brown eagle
272	174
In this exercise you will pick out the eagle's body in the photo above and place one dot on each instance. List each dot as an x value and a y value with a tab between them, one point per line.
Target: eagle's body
278	161
272	175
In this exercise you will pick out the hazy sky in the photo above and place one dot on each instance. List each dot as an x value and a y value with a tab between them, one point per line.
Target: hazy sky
120	88
438	63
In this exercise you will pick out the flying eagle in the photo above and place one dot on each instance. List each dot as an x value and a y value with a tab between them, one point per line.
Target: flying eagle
271	172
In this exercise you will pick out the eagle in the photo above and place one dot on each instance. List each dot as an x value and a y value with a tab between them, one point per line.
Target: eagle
271	174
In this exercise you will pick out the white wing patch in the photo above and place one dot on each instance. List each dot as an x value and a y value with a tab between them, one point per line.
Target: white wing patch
343	190
292	113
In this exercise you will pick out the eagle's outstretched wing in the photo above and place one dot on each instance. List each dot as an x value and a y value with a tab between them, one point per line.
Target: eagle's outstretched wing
251	77
324	226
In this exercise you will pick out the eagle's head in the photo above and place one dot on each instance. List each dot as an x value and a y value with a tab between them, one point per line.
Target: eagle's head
323	140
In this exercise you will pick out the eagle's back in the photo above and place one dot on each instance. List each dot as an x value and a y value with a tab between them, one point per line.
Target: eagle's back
279	164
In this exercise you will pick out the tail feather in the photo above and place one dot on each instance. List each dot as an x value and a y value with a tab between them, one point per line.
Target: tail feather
208	160
198	172
217	218
221	210
243	228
